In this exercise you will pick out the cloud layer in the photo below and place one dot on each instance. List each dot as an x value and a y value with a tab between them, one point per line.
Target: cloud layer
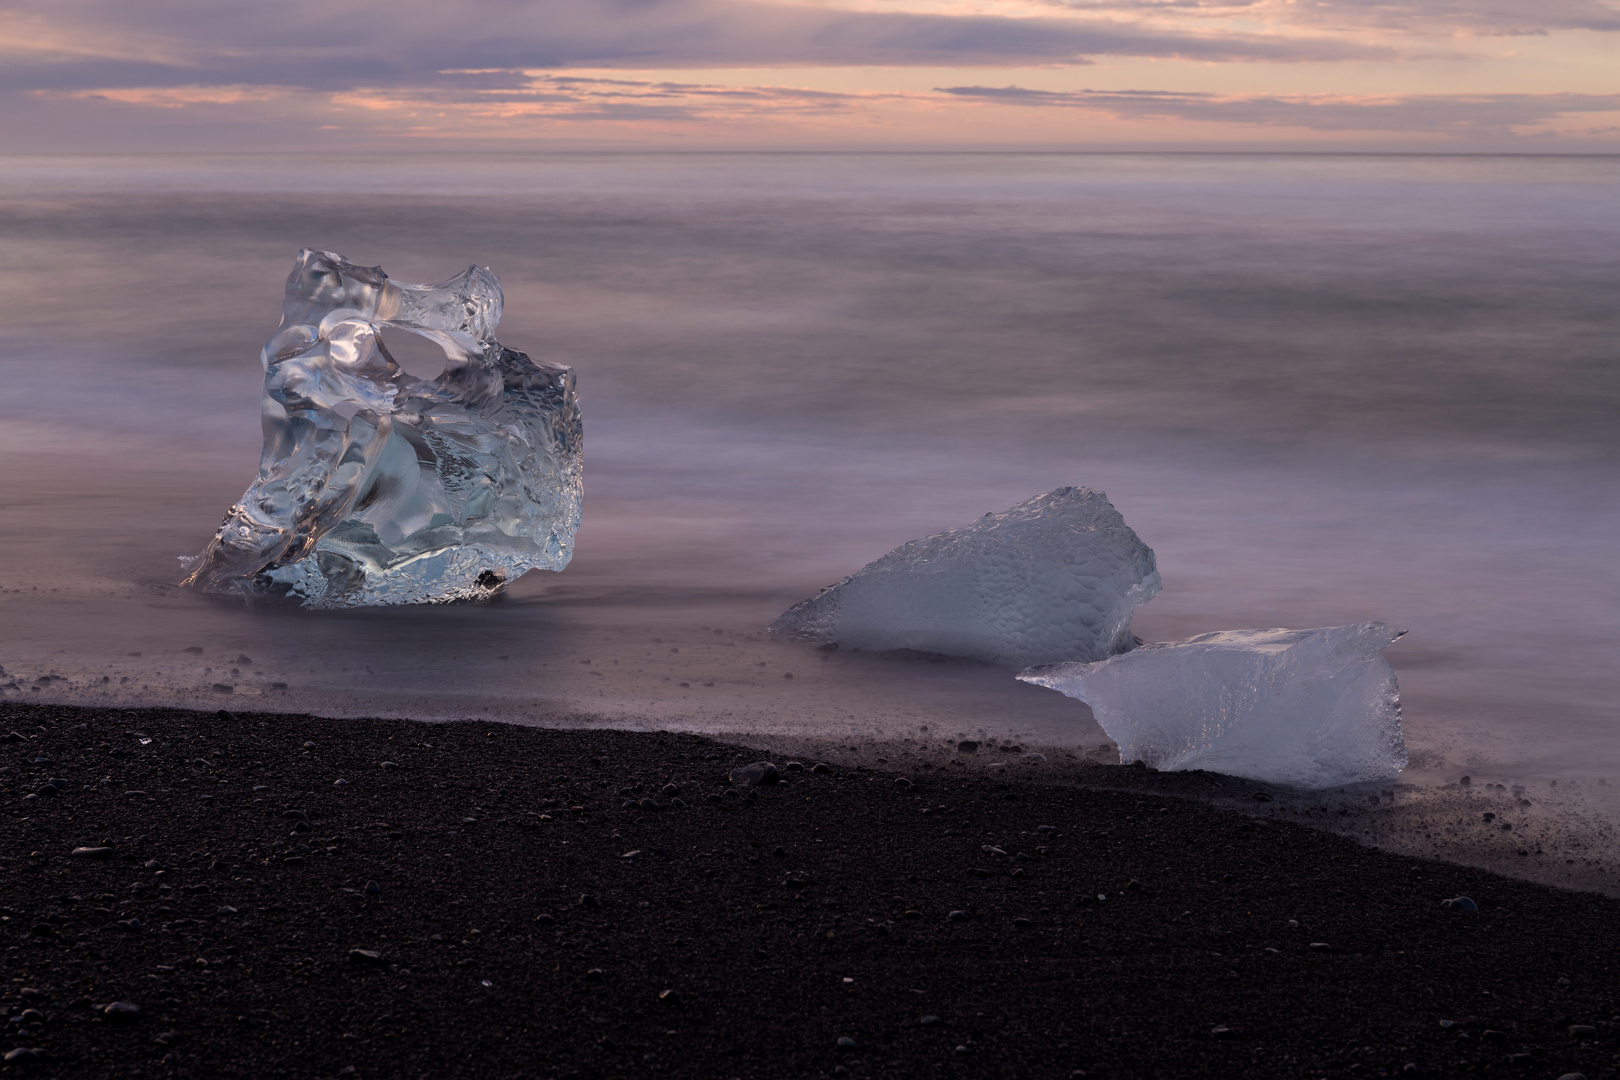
1451	113
529	68
1443	18
83	43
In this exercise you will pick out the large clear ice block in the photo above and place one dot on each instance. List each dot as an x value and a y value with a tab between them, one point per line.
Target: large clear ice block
376	487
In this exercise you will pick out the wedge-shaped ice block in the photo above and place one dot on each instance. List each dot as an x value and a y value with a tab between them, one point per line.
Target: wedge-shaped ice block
1054	578
1311	708
376	487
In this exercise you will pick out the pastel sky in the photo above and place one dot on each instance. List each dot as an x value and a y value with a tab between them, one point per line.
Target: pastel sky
121	75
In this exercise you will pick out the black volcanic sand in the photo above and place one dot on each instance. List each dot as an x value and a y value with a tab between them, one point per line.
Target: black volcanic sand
527	923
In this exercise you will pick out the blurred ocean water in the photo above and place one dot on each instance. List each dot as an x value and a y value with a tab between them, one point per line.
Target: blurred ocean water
1324	389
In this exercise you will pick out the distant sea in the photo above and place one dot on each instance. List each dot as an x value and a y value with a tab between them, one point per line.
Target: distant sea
1323	388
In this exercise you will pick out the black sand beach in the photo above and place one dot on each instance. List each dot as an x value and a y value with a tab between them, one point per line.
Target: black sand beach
484	900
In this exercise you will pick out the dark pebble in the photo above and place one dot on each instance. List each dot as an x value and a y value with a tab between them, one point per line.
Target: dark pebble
1583	1031
1023	923
821	767
25	1055
670	790
122	1012
225	715
1460	903
546	920
670	997
846	1043
92	852
759	774
364	956
930	1021
968	746
594	975
1222	1032
589	901
651	805
31	1016
901	782
373	889
793	766
956	916
1492	1035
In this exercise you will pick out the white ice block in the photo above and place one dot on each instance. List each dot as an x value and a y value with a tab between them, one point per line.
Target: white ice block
1054	578
1310	708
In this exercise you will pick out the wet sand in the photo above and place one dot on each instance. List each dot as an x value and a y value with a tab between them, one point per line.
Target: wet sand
515	901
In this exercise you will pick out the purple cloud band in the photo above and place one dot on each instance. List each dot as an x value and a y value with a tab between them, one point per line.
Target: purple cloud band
1451	113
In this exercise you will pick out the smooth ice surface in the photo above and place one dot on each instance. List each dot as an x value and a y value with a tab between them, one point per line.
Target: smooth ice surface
1311	708
1054	578
376	487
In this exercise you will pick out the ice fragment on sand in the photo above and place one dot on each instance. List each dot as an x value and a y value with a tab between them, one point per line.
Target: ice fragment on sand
1312	708
376	487
1054	578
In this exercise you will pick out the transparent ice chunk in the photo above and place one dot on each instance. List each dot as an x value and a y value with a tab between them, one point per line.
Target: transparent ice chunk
1310	708
376	487
1054	578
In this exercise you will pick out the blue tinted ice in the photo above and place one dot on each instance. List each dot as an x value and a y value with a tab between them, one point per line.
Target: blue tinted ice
1054	578
376	487
1312	708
